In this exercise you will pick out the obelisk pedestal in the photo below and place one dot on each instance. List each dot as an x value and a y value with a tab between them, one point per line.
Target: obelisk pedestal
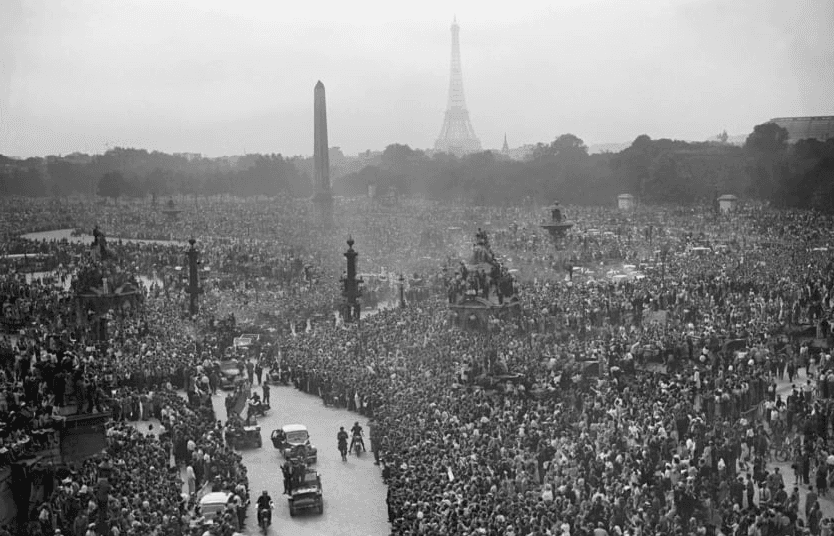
322	195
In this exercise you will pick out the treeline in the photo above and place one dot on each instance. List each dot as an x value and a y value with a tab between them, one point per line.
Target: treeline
656	171
139	173
766	168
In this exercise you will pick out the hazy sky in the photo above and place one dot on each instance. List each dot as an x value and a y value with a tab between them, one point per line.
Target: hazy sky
221	77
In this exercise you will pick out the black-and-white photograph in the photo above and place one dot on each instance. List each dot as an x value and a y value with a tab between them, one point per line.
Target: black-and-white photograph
448	268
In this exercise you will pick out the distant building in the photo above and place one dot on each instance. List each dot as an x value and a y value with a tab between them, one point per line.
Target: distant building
596	148
369	157
78	158
727	203
522	153
513	153
189	156
802	128
625	202
335	154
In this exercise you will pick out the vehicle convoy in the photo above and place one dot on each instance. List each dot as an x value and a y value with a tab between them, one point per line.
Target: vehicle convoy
306	494
292	440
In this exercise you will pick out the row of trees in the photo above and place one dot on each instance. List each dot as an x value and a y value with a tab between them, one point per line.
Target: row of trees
251	175
766	168
661	171
139	173
562	169
657	171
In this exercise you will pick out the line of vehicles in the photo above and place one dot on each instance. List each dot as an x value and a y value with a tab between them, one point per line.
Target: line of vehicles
305	487
291	440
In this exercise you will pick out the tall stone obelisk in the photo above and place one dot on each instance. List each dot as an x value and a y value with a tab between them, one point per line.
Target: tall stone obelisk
322	195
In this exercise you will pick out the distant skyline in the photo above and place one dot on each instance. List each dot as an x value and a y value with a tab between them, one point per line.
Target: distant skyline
217	78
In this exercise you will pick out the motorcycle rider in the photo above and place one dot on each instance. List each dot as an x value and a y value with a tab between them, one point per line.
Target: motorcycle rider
255	402
341	439
357	436
265	503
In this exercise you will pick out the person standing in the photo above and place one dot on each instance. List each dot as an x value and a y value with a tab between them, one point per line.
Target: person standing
250	371
287	473
372	436
265	387
822	479
259	370
191	478
751	492
814	518
810	501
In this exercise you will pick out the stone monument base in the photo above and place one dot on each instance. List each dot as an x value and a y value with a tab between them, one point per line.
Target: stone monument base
475	313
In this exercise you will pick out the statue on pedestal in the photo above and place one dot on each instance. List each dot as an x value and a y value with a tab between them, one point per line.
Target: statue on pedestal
99	245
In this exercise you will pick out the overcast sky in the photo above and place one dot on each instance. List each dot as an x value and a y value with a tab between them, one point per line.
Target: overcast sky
221	77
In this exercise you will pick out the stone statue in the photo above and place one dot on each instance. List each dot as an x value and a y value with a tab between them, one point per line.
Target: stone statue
556	213
99	246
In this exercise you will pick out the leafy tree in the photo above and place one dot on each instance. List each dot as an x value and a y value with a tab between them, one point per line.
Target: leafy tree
631	166
22	177
808	181
111	185
566	146
767	138
766	148
156	182
667	184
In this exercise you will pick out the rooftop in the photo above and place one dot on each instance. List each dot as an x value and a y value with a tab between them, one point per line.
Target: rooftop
801	128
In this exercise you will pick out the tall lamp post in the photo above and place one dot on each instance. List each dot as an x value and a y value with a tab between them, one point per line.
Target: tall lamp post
193	282
351	292
401	283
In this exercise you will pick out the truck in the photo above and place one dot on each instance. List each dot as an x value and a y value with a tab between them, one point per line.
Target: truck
307	494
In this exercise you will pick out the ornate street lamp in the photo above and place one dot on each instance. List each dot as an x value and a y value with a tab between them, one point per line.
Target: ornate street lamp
351	292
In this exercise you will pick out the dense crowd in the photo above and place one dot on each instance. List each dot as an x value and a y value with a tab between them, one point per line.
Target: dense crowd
52	368
670	433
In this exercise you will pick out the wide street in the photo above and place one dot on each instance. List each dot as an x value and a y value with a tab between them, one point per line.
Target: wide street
354	494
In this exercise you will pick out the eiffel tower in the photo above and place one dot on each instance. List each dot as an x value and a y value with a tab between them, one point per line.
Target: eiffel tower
457	135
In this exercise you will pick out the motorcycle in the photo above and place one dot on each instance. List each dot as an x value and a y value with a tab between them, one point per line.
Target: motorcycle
264	515
258	409
357	448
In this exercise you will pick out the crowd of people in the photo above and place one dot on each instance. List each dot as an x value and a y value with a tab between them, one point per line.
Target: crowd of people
54	368
670	434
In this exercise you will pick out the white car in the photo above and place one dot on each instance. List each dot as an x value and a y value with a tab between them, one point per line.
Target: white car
213	504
